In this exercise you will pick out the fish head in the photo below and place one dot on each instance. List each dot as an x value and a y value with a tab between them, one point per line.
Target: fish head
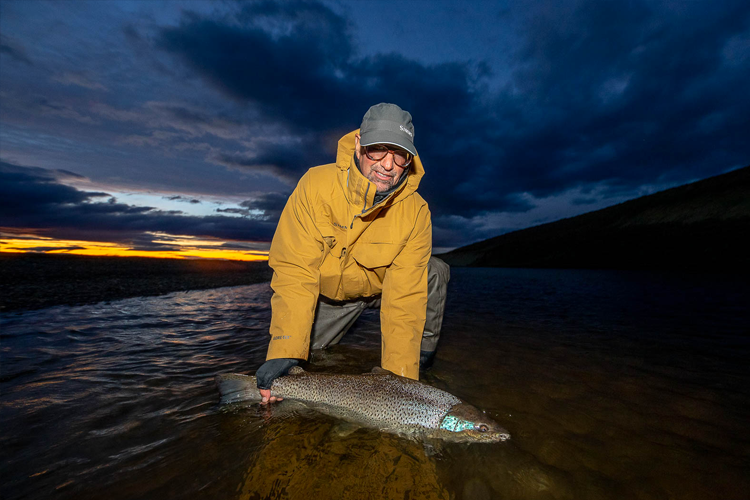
466	423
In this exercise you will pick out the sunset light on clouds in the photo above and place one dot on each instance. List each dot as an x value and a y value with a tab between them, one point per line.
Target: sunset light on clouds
180	247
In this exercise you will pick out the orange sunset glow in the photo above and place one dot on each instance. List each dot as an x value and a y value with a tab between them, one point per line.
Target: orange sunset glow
188	248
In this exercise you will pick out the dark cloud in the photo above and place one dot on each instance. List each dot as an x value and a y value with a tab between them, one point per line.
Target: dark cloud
249	247
583	200
239	211
195	120
145	243
266	206
283	163
32	199
184	199
448	229
14	50
47	249
276	55
36	189
66	174
623	91
271	204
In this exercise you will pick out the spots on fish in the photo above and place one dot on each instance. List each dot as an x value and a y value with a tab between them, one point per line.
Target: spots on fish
385	399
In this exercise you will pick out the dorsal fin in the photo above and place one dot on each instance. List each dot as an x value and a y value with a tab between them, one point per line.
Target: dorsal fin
296	370
379	370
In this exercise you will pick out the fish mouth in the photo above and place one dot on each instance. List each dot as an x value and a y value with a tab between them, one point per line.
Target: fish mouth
472	436
503	436
493	436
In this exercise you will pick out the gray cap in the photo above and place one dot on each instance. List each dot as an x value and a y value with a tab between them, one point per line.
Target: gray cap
387	124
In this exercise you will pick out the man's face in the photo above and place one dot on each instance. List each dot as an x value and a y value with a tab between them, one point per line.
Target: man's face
383	173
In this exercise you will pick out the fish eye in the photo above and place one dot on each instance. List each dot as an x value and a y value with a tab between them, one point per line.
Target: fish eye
483	428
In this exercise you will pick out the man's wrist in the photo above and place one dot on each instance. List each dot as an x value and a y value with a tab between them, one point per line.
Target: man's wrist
273	369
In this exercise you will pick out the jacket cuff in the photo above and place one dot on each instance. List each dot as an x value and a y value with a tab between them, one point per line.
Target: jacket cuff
278	350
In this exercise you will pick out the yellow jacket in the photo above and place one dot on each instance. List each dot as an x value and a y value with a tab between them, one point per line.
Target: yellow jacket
331	240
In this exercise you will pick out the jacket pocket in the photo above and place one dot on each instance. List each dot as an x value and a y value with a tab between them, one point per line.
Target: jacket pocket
372	255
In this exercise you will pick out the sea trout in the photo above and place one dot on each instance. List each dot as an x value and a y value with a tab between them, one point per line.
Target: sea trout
380	399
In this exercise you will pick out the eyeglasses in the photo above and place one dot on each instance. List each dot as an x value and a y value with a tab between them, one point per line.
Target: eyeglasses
377	152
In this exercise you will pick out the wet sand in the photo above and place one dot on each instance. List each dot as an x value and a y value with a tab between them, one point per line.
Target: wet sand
35	281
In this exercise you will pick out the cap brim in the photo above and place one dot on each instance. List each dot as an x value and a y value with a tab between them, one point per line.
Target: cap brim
387	137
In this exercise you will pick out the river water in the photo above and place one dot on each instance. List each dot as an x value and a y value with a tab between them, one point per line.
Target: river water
613	385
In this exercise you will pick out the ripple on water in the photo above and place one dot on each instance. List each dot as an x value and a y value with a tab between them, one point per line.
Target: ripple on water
607	394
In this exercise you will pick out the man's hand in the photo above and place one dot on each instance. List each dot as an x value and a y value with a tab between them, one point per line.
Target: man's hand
265	395
270	371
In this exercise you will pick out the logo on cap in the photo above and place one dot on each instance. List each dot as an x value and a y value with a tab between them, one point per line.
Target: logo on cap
386	123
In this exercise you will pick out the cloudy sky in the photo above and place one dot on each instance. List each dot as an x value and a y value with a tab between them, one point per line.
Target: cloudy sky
182	126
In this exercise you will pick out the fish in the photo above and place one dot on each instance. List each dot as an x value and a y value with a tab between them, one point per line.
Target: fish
379	399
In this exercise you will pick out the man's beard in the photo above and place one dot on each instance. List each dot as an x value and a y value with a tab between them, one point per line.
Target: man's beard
392	181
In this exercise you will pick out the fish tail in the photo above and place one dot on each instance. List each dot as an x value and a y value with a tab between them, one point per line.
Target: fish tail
234	387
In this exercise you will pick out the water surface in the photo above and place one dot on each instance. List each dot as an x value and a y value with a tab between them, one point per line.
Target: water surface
612	384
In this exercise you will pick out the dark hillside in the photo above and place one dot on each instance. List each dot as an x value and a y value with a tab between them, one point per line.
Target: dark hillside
703	226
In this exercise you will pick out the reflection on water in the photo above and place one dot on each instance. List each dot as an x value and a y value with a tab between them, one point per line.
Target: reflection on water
612	384
315	458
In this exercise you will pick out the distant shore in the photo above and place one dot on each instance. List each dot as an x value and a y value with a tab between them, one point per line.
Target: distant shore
35	281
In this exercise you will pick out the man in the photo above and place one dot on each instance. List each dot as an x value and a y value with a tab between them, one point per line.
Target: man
355	235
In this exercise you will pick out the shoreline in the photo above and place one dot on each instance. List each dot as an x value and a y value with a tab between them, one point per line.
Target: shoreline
36	281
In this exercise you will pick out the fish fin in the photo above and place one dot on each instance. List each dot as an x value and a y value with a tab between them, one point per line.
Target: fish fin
378	370
296	370
344	429
234	387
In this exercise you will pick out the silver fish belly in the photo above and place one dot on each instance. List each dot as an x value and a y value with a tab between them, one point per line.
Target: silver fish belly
381	400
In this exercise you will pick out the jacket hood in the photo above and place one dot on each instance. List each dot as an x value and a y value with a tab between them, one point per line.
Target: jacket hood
360	191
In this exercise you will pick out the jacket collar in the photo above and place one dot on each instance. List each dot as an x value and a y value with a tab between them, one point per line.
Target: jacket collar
360	192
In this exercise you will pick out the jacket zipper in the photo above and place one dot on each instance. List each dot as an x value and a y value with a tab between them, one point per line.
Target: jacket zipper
364	207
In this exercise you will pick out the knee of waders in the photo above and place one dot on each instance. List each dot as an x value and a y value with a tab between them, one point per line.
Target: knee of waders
438	270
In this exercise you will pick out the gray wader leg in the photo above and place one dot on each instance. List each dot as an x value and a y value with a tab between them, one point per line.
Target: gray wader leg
333	319
438	275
